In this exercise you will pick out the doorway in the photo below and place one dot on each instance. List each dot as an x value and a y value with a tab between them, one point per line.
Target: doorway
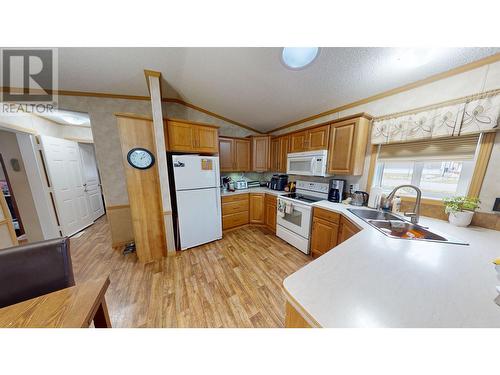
8	194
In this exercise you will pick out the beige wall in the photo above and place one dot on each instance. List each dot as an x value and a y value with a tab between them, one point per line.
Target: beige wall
475	81
106	140
19	181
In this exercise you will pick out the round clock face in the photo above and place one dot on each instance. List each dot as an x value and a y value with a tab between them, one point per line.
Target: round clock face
140	158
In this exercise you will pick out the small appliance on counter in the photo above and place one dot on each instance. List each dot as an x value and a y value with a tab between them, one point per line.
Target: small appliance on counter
360	198
241	184
264	183
253	184
278	182
336	190
225	183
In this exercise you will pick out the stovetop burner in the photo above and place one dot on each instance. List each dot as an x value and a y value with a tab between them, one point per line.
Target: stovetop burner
303	198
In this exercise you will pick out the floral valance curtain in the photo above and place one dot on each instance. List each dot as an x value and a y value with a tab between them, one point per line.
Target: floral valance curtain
471	117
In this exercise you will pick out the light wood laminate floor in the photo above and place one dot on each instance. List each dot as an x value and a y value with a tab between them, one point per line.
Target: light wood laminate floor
234	282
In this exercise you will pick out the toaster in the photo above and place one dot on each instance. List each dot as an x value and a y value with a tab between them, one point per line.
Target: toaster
241	184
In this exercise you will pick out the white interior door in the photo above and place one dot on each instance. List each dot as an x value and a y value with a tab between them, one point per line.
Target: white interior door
63	163
92	183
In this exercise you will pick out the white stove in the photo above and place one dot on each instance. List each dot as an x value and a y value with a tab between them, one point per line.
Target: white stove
294	225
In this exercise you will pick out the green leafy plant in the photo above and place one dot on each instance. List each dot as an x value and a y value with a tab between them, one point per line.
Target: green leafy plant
459	204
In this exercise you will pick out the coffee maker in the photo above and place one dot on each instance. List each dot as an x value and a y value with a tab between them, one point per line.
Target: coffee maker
278	182
336	190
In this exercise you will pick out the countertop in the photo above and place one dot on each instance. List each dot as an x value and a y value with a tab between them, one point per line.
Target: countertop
253	190
372	280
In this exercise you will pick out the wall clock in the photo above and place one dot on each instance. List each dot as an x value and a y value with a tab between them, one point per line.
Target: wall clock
140	158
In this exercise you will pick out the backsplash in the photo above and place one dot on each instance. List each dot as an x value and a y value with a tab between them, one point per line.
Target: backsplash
266	176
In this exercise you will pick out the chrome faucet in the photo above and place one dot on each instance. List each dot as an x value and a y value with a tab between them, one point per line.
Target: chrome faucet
415	215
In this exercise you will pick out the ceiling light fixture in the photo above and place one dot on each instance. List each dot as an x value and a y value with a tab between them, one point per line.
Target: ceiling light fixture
298	57
74	120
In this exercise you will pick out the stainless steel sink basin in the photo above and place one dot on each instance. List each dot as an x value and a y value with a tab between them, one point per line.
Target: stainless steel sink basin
395	227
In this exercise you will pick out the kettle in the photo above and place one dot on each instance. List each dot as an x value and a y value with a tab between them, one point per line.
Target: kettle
360	198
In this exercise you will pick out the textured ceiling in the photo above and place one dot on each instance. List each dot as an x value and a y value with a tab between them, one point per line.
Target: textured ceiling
251	85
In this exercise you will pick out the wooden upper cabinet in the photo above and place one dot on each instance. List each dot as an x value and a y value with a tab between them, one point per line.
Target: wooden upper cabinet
298	142
206	139
180	136
348	140
260	153
242	152
283	153
184	136
317	138
310	140
226	154
275	155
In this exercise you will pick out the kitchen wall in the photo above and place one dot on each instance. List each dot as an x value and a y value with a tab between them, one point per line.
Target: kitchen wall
9	149
474	81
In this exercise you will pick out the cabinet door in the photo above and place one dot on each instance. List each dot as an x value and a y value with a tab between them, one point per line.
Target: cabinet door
242	155
317	138
341	148
284	145
206	139
324	236
257	213
260	154
346	230
275	154
298	141
271	202
180	136
226	154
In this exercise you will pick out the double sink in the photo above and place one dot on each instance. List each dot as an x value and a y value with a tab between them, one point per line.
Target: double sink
395	227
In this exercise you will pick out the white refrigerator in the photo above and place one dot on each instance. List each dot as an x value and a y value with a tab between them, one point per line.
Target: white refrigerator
197	194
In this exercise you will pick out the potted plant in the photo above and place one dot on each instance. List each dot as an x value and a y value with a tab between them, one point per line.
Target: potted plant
460	210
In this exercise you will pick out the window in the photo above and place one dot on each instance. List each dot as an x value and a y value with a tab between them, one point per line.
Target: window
441	168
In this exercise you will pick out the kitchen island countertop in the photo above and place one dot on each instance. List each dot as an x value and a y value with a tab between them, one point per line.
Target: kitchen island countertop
372	280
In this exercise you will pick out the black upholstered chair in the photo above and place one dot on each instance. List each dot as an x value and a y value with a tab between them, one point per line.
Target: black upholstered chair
35	269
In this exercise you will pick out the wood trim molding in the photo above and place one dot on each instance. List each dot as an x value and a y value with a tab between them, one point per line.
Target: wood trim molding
180	101
151	73
329	122
191	122
371	169
136	97
485	147
133	115
117	207
80	140
436	77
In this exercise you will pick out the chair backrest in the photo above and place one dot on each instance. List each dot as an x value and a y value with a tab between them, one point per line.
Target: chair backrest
35	269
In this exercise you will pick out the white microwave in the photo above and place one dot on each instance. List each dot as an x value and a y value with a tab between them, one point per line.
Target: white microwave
309	163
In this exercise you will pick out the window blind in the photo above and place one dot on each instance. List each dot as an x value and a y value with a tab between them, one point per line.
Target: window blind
462	148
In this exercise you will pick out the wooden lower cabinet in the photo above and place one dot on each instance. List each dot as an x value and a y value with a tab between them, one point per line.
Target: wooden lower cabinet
271	205
325	229
235	210
346	230
328	230
293	319
324	236
257	208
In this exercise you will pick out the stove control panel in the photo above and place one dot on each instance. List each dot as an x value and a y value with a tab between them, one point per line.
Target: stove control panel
318	187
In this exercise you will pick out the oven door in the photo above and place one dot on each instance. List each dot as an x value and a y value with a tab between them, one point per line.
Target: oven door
301	165
298	221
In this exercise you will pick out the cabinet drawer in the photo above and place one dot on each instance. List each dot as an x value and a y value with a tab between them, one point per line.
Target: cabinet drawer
235	198
234	207
327	215
234	220
271	199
